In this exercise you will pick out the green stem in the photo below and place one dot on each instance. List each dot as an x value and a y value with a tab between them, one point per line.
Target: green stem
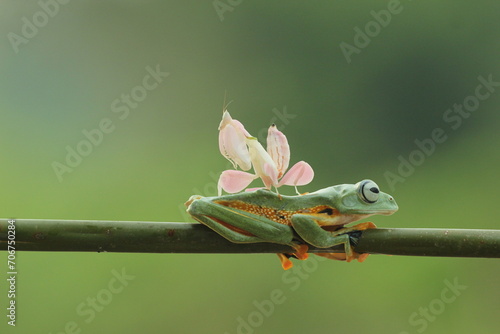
160	237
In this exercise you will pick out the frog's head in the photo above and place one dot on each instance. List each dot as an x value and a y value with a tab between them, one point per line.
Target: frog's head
358	201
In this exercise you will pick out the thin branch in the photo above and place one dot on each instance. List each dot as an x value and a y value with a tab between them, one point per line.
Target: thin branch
160	237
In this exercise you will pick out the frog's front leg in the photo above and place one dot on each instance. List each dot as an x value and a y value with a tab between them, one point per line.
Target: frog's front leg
308	227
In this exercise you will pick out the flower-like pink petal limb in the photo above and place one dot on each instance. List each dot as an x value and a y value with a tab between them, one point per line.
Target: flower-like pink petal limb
278	149
300	174
233	181
263	164
232	143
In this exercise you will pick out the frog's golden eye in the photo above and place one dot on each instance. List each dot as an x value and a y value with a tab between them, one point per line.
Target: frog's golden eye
368	191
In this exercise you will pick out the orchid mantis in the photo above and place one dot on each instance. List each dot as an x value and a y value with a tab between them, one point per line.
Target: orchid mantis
245	151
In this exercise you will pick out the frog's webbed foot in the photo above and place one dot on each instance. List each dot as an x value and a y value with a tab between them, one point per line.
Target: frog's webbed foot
359	227
192	199
300	253
285	260
361	257
343	256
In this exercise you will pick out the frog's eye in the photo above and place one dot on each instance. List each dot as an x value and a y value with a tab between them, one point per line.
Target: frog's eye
368	191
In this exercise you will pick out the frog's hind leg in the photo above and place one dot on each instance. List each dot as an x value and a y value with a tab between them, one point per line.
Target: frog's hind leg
229	232
244	227
237	225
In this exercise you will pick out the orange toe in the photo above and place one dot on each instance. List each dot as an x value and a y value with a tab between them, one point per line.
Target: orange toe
301	251
364	226
362	257
285	261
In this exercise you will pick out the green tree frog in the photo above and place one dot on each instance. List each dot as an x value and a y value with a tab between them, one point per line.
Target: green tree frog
316	218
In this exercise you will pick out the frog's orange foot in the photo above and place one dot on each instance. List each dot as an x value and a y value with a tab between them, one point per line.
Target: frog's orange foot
361	257
364	226
285	261
357	256
344	256
192	199
301	251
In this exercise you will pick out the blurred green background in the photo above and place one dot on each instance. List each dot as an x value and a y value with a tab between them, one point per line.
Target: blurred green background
280	62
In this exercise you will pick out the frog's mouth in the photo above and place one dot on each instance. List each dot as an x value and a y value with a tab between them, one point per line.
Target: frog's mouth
378	212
